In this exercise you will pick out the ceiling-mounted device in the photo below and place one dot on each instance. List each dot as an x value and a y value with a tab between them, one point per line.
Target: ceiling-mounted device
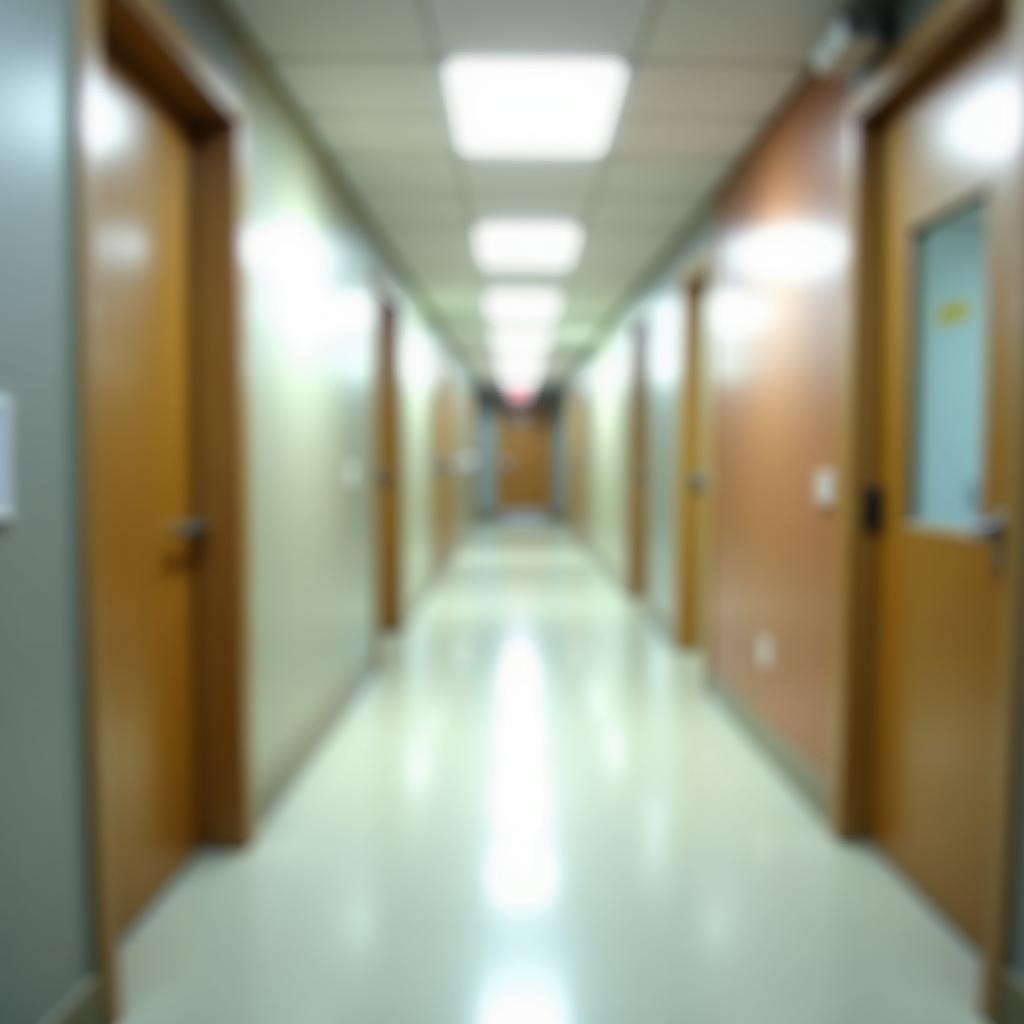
852	40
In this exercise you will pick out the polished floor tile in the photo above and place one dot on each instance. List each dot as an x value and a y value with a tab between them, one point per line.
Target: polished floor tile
536	813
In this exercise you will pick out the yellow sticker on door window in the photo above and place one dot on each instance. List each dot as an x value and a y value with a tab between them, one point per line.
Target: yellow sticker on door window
953	313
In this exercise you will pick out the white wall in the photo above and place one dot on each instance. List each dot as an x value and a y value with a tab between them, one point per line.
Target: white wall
664	387
607	382
311	327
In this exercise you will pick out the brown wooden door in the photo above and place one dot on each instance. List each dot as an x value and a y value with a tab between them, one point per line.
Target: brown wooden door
525	459
637	472
388	477
948	378
695	522
140	485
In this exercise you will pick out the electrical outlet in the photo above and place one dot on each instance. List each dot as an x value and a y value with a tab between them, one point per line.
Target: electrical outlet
766	650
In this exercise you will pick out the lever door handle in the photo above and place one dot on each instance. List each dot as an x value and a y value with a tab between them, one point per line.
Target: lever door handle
993	528
190	531
699	483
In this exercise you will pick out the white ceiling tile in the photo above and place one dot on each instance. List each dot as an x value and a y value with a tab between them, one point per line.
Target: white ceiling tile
609	26
365	73
739	30
401	211
470	330
573	335
459	302
716	89
437	251
636	210
668	175
323	86
335	28
381	132
531	189
720	138
419	175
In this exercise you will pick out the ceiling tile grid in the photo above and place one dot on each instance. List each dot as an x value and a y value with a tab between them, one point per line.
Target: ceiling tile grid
706	77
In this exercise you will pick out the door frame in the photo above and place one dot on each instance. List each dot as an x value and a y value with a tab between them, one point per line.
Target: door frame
389	472
944	33
637	474
146	44
694	414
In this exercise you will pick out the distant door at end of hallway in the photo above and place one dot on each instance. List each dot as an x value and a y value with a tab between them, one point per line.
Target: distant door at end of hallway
526	459
948	382
140	476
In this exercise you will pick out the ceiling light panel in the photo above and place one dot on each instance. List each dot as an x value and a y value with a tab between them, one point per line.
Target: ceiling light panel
527	245
523	304
559	108
521	343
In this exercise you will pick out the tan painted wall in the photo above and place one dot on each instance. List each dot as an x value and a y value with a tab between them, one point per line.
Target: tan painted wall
775	344
776	319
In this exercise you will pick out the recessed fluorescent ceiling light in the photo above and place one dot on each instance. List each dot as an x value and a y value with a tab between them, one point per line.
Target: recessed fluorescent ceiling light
519	341
534	107
511	304
515	245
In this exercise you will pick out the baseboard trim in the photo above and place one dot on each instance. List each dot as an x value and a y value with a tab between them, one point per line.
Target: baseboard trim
83	1005
792	764
1011	997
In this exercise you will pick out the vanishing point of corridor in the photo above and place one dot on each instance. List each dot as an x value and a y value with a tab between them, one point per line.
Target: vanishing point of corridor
535	812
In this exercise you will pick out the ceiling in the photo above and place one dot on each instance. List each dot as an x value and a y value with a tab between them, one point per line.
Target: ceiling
707	74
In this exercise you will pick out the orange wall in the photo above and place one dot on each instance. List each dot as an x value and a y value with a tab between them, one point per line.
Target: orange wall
775	324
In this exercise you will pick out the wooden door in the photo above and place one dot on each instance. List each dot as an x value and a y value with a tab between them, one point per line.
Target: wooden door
949	375
388	477
142	547
525	459
637	470
695	521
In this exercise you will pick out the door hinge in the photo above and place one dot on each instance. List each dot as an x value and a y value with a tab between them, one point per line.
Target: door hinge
874	509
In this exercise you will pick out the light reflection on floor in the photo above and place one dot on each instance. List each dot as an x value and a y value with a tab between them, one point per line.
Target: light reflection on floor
537	814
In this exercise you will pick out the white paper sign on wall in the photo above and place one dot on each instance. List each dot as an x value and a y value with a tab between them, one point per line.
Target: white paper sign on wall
8	496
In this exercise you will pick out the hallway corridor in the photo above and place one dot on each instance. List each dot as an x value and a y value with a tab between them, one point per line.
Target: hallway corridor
536	813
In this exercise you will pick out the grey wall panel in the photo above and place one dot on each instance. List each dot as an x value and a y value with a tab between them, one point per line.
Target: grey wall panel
45	933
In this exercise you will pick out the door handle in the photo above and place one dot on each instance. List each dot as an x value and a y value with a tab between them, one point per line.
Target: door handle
190	531
699	483
993	528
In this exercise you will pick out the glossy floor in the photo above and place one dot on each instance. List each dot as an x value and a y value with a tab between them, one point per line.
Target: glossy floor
536	813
